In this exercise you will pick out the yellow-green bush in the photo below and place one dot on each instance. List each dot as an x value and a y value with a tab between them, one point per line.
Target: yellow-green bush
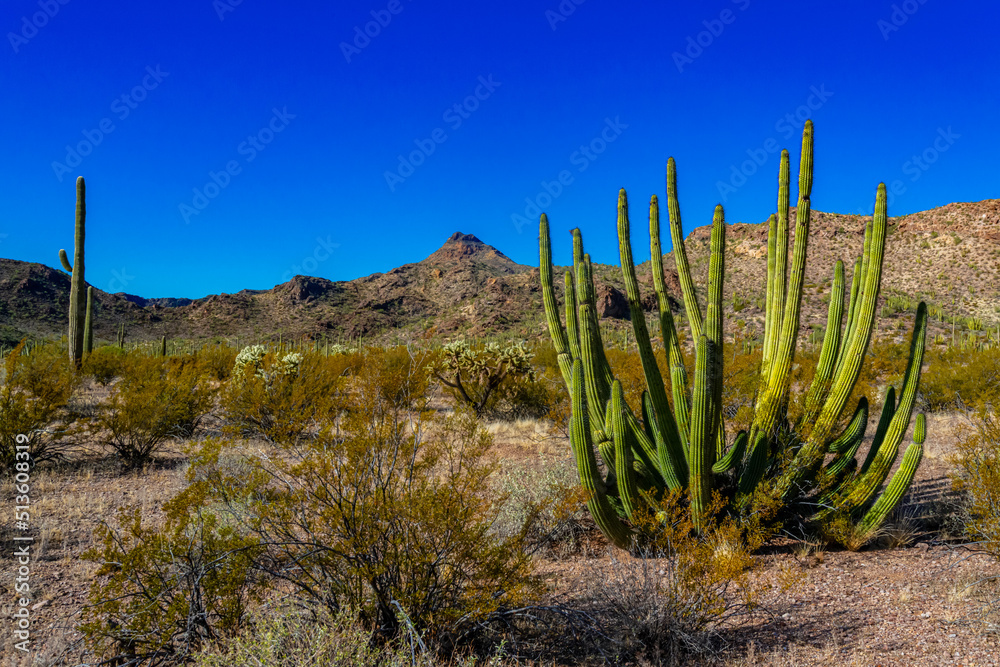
154	400
36	387
961	377
104	364
977	477
216	361
280	396
495	381
160	594
391	506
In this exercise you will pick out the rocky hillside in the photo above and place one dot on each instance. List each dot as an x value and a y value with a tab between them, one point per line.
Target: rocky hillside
948	256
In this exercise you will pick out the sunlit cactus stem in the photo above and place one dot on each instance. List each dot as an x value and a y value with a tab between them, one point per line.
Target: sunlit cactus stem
77	313
88	328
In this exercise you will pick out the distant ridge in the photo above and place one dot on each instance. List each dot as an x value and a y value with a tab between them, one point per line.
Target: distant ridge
467	287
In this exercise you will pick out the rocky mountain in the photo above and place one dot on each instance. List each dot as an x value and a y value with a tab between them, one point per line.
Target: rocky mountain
948	256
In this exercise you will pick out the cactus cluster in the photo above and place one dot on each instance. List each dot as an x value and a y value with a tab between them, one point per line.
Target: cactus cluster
806	466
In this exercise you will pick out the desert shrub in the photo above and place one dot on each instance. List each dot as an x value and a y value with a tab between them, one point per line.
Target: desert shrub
36	387
957	377
151	404
977	477
160	594
546	505
216	361
394	509
399	375
493	381
668	603
279	397
291	637
104	364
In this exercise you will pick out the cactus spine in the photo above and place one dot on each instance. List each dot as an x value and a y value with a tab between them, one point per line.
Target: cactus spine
683	446
77	315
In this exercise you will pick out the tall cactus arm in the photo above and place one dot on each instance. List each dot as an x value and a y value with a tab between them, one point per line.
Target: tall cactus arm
559	338
625	476
675	359
597	389
64	259
846	446
671	474
831	343
702	434
680	254
733	456
77	314
852	319
650	369
862	491
586	462
851	307
572	325
777	269
713	327
775	385
888	411
894	492
847	375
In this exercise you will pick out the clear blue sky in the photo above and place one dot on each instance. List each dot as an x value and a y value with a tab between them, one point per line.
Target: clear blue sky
309	115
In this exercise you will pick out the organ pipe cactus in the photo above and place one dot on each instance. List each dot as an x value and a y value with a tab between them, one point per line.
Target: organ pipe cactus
77	314
683	446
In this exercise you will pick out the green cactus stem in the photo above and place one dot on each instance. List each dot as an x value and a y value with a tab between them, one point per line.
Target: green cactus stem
88	327
77	313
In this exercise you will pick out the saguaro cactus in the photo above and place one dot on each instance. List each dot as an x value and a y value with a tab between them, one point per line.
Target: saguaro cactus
683	446
77	315
88	328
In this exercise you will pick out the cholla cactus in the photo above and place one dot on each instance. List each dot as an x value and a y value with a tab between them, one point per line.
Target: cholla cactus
475	374
249	360
290	363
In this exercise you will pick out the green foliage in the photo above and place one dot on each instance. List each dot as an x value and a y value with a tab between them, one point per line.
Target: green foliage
392	506
680	442
216	361
962	377
279	396
495	381
104	364
36	387
977	477
159	595
151	403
